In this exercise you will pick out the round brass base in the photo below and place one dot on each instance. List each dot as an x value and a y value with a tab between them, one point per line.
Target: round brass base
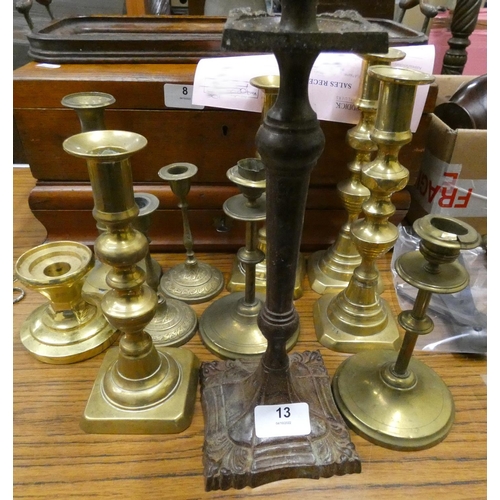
411	413
193	284
68	340
174	323
229	328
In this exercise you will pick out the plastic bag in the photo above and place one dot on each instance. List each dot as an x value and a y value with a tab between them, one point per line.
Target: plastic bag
460	319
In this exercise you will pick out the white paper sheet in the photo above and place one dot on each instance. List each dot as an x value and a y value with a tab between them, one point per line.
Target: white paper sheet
224	82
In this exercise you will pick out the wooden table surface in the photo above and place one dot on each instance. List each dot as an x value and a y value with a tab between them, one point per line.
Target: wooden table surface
54	458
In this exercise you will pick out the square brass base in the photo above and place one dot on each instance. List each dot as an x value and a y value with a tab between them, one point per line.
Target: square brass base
348	341
170	416
234	457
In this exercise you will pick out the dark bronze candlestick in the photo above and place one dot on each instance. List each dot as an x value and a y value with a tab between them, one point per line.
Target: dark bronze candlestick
290	141
394	400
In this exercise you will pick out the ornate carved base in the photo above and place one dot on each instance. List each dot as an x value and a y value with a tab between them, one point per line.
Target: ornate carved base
234	457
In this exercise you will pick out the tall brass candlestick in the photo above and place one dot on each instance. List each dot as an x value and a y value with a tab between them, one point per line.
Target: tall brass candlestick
269	84
393	399
174	322
139	389
358	318
329	271
237	451
90	108
229	326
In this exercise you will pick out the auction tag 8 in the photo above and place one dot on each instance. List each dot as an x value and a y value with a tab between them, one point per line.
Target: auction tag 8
179	96
282	420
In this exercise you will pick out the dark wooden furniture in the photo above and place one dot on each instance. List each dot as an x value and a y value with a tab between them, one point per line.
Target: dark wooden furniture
212	139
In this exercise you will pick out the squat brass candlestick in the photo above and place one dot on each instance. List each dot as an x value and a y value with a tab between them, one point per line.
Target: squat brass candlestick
139	389
395	400
174	322
228	327
68	328
290	141
329	271
193	281
358	318
90	108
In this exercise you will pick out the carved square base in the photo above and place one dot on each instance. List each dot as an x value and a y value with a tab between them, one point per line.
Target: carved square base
234	457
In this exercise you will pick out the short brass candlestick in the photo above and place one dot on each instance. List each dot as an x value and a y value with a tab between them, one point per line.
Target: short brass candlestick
139	389
393	399
290	141
358	318
68	328
269	84
193	281
329	271
174	322
228	327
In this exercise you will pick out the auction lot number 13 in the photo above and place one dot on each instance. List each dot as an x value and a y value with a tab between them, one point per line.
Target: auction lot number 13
282	420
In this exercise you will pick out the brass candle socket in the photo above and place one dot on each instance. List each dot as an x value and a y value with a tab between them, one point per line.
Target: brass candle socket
89	107
67	329
269	85
139	389
393	399
193	281
330	270
228	327
358	318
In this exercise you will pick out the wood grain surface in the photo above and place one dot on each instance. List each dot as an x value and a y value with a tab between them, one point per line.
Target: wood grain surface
54	458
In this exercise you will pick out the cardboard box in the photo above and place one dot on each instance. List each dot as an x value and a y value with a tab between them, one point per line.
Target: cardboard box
453	175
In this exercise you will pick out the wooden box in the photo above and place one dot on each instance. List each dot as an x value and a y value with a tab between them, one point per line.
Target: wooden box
212	139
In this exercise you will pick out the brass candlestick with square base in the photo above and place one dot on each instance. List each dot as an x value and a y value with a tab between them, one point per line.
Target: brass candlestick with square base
358	318
235	392
140	389
391	399
329	271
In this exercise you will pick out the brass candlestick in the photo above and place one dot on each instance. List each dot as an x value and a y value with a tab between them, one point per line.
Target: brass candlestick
394	400
358	318
68	328
174	322
193	281
329	271
90	108
140	388
269	84
235	392
228	327
95	285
